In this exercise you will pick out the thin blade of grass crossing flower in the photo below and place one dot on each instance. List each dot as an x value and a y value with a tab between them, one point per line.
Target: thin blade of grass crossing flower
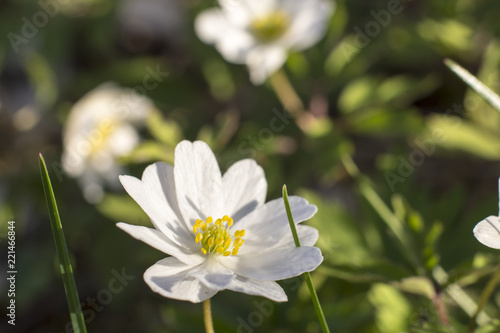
307	275
62	252
489	95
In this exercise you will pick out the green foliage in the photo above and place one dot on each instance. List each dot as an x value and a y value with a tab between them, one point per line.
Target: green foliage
489	328
62	252
392	310
383	104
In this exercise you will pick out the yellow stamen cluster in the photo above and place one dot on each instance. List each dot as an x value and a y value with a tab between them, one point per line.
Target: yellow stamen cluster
271	26
101	134
215	237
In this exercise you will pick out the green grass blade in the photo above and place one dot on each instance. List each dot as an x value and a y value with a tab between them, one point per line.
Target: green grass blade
307	276
62	252
485	296
489	95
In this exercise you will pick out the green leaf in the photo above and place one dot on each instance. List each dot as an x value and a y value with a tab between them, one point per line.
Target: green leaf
431	244
42	78
374	270
493	327
419	285
449	34
123	208
298	65
465	276
453	133
425	237
227	123
357	94
383	121
62	252
392	310
341	236
165	131
219	79
150	151
342	55
398	91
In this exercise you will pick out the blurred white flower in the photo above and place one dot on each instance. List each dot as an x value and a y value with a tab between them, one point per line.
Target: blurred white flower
488	230
102	127
217	229
259	33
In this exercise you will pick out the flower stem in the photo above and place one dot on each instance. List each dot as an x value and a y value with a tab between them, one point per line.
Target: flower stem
207	316
488	290
286	93
306	120
441	312
307	276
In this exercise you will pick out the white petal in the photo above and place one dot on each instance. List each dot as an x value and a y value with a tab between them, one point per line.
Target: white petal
309	23
73	162
242	12
308	236
275	265
210	24
488	232
213	27
212	274
159	241
104	163
268	224
198	182
169	277
123	139
245	188
269	289
155	193
105	104
264	60
235	46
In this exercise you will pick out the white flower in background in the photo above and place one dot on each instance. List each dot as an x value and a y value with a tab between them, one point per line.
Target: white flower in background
217	229
101	127
260	33
488	230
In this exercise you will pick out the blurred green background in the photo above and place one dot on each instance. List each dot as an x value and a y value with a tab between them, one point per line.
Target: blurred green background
426	145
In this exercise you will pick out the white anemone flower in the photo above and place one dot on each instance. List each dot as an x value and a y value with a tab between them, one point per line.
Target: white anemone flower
259	33
488	230
101	128
218	230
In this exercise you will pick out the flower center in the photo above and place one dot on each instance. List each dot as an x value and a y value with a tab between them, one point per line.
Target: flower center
100	135
271	26
215	237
